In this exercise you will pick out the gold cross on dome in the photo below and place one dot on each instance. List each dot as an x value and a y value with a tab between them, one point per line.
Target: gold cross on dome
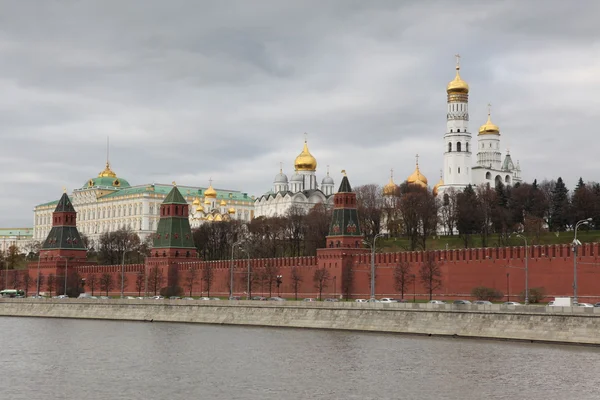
392	173
489	109
417	157
305	137
210	181
457	60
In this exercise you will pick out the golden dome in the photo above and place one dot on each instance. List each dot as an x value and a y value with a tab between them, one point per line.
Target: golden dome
210	192
223	203
417	178
457	85
436	187
199	209
489	128
305	161
231	210
196	202
391	187
206	200
107	172
218	218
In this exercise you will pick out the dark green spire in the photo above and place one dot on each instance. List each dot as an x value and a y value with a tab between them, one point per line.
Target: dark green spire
174	226
64	204
345	185
64	233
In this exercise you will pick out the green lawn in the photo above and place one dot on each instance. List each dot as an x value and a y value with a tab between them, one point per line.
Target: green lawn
455	242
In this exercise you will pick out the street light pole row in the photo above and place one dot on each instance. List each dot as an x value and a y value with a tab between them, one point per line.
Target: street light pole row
373	264
576	244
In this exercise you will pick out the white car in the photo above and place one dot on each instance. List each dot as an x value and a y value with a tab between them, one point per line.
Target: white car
204	298
388	300
511	303
437	302
158	298
360	300
584	305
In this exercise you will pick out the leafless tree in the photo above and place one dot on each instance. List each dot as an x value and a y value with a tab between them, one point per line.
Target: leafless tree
320	279
270	275
92	281
155	280
106	282
50	283
430	274
191	279
27	281
347	280
369	203
140	278
296	278
402	277
39	284
208	276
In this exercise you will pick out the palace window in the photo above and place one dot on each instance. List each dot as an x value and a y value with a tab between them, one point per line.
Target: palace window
458	147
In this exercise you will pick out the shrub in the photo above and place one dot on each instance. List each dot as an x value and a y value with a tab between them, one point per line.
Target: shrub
536	295
485	293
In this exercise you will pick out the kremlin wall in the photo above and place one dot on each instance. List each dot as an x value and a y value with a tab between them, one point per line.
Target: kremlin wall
348	263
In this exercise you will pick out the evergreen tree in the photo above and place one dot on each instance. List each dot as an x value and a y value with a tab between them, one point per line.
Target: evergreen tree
469	219
559	207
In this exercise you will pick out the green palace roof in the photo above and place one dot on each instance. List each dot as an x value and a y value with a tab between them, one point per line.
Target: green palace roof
16	232
185	191
106	181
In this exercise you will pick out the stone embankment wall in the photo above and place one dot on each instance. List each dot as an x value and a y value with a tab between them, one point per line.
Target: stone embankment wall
547	324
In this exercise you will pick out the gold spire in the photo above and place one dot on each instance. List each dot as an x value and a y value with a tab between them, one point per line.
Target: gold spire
174	183
390	188
64	189
305	161
210	192
489	128
107	172
417	178
437	185
344	172
457	85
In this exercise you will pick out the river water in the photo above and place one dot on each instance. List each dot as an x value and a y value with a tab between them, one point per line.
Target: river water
78	359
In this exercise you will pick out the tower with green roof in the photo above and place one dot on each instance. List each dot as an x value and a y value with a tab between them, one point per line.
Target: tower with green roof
344	230
64	238
173	237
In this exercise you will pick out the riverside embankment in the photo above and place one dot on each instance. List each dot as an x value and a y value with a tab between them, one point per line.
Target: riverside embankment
531	323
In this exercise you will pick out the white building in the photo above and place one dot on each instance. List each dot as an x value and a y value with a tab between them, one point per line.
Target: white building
300	191
458	170
20	237
106	203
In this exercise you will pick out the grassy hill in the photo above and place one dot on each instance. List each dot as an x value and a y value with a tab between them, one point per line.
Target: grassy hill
455	242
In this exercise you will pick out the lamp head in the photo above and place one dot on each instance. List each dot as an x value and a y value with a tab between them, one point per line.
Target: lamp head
589	219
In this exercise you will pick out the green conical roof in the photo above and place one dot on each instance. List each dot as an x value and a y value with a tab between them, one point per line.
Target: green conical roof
64	204
174	197
345	185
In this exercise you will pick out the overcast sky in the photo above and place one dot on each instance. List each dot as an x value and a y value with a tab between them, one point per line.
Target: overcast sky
189	90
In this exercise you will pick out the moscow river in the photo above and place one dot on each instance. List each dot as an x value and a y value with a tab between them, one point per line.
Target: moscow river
78	359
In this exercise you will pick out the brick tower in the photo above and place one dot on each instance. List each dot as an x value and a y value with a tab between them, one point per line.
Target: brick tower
344	242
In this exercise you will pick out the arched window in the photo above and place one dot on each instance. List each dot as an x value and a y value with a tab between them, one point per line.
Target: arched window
459	170
458	146
467	147
449	147
488	175
507	179
451	130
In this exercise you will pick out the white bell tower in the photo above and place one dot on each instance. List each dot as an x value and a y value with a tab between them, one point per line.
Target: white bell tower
457	140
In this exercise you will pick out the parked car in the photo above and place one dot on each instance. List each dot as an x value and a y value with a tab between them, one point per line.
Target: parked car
584	305
259	298
483	302
551	303
331	299
104	298
437	302
276	298
215	298
188	298
360	300
174	298
204	298
462	302
62	296
84	296
597	305
511	303
388	300
373	301
158	297
235	298
130	298
310	299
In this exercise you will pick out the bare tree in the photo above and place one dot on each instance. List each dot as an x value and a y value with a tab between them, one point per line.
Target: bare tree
191	279
27	281
430	274
39	283
296	280
270	275
208	276
140	278
50	283
155	280
347	280
402	277
106	282
92	281
369	203
320	279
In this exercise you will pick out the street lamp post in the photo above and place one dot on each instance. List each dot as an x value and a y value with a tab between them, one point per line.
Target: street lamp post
526	267
507	287
414	279
373	264
248	295
279	281
334	287
38	275
66	270
576	244
231	268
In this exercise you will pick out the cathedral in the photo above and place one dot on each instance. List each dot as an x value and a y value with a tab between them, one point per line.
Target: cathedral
301	191
458	170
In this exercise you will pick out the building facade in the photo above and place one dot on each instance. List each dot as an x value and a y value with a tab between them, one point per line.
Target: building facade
107	203
300	191
20	237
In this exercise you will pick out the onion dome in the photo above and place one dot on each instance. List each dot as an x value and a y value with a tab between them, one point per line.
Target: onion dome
107	172
223	203
210	193
417	178
457	85
437	186
231	210
196	202
489	128
296	178
280	177
305	161
328	180
391	187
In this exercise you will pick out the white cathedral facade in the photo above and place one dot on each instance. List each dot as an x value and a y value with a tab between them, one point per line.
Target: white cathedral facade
458	170
301	190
